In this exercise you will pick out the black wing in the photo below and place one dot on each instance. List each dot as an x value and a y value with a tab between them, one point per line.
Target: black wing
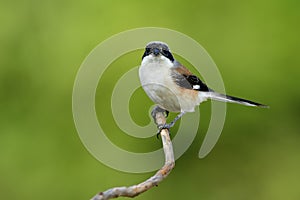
184	78
196	83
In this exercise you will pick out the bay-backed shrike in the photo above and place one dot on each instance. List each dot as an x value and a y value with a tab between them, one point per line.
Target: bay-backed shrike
173	87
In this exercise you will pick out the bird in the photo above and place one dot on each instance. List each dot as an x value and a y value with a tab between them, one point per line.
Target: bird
173	87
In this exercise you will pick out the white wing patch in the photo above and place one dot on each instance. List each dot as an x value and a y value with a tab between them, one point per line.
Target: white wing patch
196	87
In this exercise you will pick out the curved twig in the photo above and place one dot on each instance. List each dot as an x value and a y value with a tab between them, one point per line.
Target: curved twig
132	191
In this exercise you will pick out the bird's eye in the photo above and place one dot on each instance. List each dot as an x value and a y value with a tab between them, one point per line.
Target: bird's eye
168	54
147	52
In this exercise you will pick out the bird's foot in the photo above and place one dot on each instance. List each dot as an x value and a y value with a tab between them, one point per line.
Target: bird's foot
163	126
157	109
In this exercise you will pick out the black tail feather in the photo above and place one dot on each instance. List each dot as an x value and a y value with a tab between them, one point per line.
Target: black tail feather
243	101
231	99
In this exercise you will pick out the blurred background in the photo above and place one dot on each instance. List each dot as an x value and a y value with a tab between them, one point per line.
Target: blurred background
255	46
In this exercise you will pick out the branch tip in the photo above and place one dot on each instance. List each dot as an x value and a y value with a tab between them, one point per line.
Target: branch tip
159	117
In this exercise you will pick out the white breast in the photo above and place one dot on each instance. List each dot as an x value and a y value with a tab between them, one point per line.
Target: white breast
157	82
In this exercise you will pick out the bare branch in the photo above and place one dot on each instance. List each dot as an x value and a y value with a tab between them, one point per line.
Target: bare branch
132	191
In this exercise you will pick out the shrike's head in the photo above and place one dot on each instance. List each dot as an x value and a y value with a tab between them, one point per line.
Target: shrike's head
158	49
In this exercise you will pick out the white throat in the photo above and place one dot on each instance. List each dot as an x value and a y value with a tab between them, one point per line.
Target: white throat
159	61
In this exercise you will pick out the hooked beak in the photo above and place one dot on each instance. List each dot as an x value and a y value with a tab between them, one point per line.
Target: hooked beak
156	51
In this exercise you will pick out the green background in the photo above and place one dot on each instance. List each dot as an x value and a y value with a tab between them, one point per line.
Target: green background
255	46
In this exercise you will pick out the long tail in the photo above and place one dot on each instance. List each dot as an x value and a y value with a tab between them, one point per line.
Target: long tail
226	98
